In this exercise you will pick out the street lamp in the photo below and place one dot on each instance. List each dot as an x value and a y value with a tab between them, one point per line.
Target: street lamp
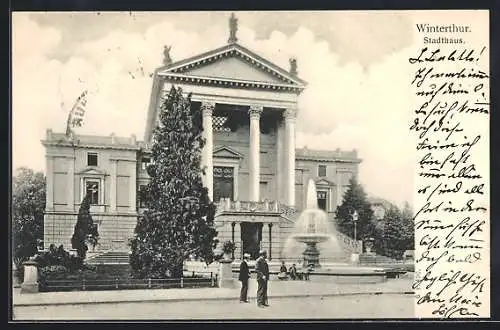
355	255
355	217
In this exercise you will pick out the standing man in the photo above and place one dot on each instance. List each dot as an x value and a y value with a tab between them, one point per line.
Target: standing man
262	270
243	277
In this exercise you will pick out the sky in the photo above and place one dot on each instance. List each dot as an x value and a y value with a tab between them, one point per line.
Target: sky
354	63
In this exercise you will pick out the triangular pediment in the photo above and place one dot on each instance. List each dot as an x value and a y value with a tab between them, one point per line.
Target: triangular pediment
324	182
232	62
92	171
233	68
226	152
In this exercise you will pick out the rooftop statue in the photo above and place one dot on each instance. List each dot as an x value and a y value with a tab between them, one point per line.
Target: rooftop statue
293	66
233	28
167	60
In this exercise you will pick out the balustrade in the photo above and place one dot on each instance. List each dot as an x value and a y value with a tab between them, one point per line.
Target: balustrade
225	204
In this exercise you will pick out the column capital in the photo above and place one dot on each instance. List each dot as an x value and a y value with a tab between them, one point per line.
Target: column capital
255	111
290	113
207	108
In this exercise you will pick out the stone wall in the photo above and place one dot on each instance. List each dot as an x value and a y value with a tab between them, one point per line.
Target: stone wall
114	230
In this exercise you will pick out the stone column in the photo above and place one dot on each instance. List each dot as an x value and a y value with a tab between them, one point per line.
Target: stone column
112	185
279	162
270	225
254	160
241	241
133	187
237	240
290	115
49	200
207	109
233	224
71	184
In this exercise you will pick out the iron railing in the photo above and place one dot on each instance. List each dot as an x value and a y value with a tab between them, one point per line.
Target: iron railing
202	280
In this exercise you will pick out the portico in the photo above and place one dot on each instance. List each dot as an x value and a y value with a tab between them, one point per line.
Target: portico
285	158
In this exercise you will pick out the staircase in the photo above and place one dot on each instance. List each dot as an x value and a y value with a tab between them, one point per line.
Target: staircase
109	258
374	259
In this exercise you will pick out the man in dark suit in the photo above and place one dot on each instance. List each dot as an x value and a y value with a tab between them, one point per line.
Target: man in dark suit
243	277
262	270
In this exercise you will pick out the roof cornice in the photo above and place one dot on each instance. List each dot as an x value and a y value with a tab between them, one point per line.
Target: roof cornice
226	82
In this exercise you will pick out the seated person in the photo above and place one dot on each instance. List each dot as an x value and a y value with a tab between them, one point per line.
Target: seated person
283	273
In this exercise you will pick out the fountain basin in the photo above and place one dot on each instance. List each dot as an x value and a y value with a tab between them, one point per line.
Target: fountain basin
311	238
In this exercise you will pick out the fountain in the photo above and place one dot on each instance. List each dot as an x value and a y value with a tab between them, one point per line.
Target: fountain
312	227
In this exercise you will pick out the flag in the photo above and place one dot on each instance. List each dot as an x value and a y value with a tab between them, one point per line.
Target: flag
75	117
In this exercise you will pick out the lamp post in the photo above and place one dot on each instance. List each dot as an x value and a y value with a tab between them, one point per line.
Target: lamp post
355	217
355	255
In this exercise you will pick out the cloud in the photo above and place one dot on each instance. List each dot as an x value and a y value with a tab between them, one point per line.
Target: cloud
345	105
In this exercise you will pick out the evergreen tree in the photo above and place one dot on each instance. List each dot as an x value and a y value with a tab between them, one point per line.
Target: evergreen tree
393	234
85	231
355	200
179	215
408	233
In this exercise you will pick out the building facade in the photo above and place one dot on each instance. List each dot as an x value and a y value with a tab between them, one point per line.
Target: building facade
254	172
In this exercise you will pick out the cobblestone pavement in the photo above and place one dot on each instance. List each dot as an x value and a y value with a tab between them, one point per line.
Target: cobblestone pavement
349	306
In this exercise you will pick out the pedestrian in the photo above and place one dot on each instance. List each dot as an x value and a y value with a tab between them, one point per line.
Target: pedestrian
293	272
262	270
243	277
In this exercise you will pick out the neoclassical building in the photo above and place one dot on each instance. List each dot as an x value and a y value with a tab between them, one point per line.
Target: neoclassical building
254	172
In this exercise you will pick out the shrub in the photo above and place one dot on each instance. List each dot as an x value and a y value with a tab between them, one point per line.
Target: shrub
54	272
228	247
59	257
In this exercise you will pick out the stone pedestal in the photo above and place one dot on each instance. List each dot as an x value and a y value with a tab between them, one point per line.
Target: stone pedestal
30	283
226	279
311	256
355	258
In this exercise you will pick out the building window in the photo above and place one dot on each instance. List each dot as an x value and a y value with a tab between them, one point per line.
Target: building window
92	188
92	159
223	183
322	200
142	196
145	162
321	170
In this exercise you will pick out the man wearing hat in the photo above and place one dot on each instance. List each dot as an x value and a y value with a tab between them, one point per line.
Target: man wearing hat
262	270
243	277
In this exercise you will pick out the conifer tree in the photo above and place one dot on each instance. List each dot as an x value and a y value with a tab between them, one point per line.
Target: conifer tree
85	231
408	235
179	216
393	233
355	200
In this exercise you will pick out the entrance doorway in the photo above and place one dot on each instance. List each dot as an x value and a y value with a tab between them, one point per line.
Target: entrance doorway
251	237
322	200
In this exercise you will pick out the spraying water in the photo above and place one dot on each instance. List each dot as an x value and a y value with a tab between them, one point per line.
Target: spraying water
312	228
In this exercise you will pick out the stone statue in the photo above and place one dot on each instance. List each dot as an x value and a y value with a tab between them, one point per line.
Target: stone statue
233	28
167	60
293	66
